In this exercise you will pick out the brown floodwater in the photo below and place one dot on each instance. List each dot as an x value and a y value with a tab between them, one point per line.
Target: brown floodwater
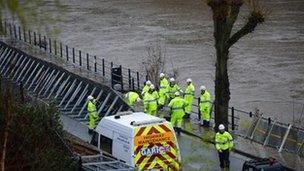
266	68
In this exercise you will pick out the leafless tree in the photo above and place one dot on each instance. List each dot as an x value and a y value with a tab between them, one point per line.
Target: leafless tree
225	14
155	63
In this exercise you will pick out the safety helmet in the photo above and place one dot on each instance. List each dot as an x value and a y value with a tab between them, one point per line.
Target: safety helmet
161	75
152	87
148	82
138	100
203	87
189	80
177	93
221	127
172	79
90	97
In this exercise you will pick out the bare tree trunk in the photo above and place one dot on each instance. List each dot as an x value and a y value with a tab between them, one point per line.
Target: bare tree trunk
222	92
225	14
222	31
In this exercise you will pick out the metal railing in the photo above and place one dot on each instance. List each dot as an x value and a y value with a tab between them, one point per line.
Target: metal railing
129	79
46	81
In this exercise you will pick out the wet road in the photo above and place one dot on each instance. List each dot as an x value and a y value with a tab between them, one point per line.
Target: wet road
266	68
198	155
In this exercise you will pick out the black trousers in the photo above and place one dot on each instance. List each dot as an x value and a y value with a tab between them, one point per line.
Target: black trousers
224	158
206	123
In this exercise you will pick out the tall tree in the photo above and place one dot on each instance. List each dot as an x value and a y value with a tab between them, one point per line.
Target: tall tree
225	14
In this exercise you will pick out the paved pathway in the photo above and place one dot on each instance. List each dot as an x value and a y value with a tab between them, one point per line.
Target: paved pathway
207	149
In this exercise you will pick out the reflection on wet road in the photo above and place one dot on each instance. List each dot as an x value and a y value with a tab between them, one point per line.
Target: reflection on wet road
199	155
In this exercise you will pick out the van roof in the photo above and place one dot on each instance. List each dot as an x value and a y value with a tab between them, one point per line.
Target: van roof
123	124
138	118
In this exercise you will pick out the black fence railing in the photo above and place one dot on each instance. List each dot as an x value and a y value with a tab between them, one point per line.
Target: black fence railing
126	78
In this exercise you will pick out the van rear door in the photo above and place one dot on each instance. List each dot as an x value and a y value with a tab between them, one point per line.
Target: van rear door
155	147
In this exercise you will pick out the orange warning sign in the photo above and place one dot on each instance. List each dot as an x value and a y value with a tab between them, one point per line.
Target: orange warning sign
153	138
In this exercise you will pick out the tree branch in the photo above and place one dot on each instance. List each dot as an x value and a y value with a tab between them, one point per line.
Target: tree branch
255	18
235	10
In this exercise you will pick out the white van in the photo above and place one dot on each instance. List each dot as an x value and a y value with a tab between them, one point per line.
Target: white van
141	140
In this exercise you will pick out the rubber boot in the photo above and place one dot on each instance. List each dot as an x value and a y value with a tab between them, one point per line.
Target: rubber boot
187	116
178	130
207	124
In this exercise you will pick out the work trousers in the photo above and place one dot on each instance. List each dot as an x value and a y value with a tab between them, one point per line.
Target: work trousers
224	158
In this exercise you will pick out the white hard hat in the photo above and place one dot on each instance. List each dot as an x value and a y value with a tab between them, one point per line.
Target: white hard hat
138	99
221	127
148	82
152	86
189	80
161	75
177	93
90	97
172	79
203	87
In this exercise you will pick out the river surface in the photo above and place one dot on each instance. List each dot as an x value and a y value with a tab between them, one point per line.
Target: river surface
266	68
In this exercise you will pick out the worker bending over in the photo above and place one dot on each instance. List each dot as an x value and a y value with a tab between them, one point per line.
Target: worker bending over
132	98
